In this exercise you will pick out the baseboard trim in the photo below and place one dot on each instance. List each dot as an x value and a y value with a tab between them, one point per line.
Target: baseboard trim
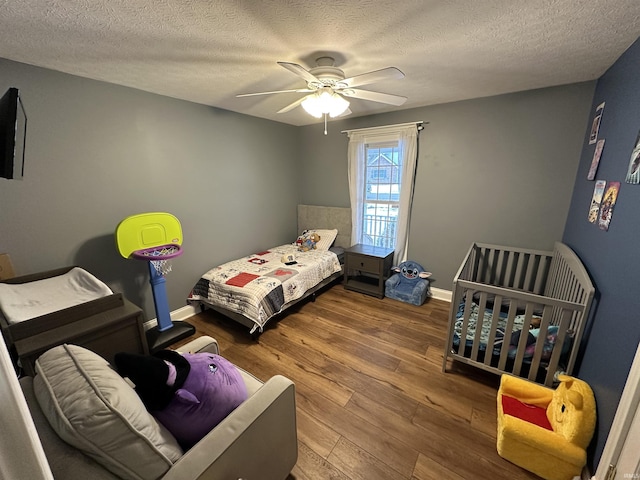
440	294
176	315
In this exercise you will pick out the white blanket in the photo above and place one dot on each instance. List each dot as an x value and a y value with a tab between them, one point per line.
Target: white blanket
23	301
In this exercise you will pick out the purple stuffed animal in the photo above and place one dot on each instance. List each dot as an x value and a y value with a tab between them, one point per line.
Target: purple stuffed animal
189	394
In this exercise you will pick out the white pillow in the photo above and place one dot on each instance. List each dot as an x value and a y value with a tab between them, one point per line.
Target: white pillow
92	408
327	237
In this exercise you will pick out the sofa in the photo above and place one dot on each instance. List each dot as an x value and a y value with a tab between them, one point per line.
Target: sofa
258	440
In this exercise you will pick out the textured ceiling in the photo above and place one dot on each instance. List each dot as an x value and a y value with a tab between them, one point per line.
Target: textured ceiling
208	51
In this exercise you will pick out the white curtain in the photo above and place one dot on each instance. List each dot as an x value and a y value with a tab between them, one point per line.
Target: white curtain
357	162
407	137
409	147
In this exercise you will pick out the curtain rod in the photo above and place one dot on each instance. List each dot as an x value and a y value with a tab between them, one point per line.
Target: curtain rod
419	124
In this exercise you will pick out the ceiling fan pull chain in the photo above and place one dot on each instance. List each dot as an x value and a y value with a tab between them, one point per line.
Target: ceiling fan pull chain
325	123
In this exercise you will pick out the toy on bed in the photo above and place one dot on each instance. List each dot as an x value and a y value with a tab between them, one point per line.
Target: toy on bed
546	431
307	241
409	283
188	393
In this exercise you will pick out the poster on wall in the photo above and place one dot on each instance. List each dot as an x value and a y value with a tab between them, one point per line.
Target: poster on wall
596	160
594	208
608	202
595	126
633	173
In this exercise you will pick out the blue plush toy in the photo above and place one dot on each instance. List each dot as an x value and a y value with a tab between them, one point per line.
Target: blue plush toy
409	284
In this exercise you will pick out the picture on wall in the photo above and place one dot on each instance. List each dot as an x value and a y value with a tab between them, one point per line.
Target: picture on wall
633	173
596	160
595	126
608	202
594	208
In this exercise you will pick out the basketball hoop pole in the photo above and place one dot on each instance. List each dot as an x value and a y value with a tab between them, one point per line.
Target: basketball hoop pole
160	300
167	332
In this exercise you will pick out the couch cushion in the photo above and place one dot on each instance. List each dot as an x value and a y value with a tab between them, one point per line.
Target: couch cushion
92	408
64	460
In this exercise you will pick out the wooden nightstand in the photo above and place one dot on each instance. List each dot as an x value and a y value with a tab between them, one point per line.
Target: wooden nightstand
366	268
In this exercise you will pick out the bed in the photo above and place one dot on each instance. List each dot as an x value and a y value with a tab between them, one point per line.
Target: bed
256	288
519	311
66	305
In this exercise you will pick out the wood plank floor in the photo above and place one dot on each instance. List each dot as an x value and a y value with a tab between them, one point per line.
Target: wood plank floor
372	401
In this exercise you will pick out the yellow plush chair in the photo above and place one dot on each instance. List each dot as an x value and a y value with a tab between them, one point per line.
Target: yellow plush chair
543	430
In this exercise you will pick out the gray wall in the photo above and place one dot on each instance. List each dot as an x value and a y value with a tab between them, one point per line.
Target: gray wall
611	257
497	170
97	153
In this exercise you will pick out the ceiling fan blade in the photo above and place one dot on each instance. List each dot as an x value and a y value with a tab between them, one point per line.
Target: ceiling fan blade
374	96
300	71
300	90
293	105
389	73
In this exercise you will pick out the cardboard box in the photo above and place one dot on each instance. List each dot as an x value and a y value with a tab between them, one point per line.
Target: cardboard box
6	268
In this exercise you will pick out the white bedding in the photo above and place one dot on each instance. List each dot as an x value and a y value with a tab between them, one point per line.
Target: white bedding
260	285
23	301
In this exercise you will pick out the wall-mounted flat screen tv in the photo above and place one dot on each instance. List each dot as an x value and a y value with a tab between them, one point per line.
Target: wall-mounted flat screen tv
13	132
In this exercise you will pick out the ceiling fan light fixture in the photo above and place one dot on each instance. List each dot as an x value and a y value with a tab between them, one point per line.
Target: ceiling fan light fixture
325	101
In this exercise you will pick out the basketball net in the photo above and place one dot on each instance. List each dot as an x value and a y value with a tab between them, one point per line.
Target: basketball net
155	256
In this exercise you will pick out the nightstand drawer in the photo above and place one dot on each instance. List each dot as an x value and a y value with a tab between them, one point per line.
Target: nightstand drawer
365	263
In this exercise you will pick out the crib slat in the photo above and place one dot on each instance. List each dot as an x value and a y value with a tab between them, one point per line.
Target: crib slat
475	347
522	342
540	341
504	354
465	322
509	270
518	273
497	302
500	268
529	278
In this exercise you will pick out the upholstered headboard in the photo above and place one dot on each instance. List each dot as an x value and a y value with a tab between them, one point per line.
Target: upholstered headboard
314	216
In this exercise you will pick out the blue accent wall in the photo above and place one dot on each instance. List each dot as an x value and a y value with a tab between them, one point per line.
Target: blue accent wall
612	257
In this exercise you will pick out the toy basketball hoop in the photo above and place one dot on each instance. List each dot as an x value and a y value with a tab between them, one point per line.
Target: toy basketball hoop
157	239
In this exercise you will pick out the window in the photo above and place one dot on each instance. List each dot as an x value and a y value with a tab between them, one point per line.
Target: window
382	164
383	171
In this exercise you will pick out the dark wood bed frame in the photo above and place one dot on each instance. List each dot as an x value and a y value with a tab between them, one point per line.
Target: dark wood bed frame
107	325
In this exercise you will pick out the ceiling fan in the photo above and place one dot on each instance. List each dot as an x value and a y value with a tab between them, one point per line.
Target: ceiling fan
327	87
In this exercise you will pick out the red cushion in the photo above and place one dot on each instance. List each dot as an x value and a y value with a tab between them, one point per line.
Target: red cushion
528	413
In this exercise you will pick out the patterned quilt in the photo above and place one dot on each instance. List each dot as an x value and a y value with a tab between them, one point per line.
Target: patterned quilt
260	285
